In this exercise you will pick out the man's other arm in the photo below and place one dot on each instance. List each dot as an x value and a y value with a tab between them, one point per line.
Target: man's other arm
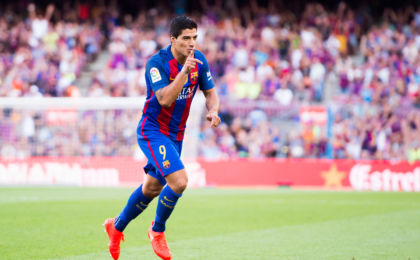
212	104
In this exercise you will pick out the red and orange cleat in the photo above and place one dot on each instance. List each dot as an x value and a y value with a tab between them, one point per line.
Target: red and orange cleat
159	244
115	238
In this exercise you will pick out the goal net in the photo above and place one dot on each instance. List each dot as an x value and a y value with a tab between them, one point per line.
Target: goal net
63	127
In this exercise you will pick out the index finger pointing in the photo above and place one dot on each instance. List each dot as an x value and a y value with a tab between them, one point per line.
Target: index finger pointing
197	60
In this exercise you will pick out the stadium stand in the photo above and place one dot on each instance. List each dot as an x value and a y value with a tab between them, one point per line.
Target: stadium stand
268	62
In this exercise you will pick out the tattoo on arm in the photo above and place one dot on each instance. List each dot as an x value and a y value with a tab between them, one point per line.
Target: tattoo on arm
158	94
206	92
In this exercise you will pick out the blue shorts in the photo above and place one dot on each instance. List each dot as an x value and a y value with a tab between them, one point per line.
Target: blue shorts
163	154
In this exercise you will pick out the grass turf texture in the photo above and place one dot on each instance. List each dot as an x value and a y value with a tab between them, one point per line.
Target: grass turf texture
65	223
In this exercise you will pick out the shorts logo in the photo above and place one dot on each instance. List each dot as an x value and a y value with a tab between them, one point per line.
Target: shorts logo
166	164
155	75
194	76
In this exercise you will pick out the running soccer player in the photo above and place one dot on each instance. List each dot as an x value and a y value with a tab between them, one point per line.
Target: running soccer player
172	76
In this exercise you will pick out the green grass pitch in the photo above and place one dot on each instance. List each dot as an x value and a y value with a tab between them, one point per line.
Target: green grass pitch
66	223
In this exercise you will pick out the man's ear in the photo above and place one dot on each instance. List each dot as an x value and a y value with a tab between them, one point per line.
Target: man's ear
173	39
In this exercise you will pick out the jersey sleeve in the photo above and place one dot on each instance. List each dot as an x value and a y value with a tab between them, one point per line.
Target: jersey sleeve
205	79
156	75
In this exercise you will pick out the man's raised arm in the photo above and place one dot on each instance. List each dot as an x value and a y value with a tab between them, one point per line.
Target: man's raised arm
167	95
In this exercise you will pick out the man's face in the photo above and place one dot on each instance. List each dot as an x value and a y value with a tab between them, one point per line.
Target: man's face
185	42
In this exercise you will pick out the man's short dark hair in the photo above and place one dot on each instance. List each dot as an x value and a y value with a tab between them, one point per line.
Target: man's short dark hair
180	23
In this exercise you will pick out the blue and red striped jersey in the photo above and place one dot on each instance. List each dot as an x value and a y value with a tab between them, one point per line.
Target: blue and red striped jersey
161	70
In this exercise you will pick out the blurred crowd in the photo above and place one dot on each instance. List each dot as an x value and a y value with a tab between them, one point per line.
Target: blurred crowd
41	58
85	133
254	52
364	68
373	71
358	131
381	118
129	48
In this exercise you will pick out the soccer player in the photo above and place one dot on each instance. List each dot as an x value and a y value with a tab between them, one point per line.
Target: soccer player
172	77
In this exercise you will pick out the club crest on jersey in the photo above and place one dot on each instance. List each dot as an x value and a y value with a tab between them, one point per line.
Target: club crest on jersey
166	164
194	76
155	75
